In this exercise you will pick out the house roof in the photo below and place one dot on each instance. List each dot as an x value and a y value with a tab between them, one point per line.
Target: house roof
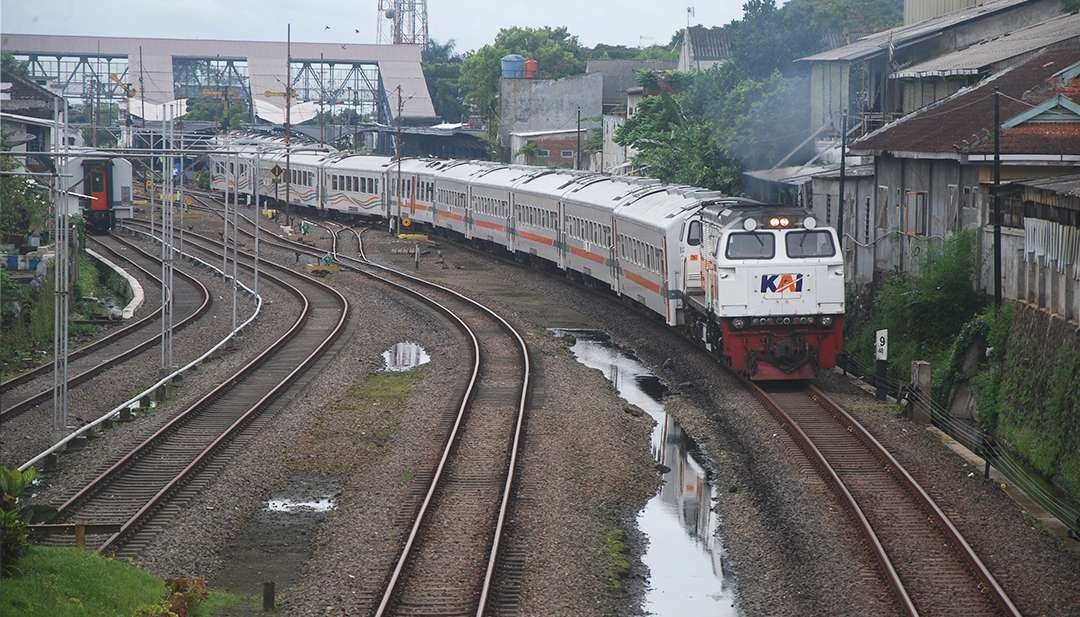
963	122
974	59
901	36
547	133
716	43
621	75
1069	186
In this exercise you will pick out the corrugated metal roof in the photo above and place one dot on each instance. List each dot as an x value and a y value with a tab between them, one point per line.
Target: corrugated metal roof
963	122
971	60
711	43
878	42
1062	185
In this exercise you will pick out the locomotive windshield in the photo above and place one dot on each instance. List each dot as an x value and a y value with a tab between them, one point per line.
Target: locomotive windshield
751	245
818	243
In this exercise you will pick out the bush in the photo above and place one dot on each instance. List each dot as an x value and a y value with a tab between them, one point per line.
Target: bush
14	541
16	514
924	314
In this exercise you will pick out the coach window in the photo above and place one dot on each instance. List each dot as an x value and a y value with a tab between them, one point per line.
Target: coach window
817	243
751	245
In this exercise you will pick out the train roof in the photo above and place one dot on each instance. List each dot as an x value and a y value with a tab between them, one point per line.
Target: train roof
661	207
548	182
500	177
607	192
464	170
357	162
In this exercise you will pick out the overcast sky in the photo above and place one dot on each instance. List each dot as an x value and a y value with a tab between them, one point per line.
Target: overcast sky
472	23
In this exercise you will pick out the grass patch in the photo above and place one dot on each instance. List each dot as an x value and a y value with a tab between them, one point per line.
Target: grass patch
217	601
613	545
357	426
56	582
62	582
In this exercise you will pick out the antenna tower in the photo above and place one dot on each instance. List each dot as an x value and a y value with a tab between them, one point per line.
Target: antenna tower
403	22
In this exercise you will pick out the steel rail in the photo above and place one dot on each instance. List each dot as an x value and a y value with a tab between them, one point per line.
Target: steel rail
114	335
75	380
133	522
975	564
358	265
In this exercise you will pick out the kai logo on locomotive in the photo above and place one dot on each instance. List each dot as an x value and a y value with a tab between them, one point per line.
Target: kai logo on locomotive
779	285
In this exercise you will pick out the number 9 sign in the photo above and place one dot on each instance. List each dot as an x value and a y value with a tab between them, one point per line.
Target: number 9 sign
881	345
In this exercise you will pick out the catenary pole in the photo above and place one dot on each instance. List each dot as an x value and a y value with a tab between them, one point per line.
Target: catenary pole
236	237
288	122
843	170
258	220
997	197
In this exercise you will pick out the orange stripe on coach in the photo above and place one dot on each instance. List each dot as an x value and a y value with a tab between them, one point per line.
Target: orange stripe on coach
641	280
580	252
489	225
537	238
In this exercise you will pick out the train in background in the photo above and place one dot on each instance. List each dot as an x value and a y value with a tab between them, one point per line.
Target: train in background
99	187
760	286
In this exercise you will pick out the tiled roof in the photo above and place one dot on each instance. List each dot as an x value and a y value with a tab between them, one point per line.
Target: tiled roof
963	123
711	43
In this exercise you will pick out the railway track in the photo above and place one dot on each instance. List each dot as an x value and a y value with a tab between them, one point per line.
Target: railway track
193	300
451	552
930	567
925	560
136	497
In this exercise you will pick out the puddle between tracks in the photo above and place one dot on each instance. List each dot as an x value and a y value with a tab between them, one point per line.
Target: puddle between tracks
686	560
279	537
404	356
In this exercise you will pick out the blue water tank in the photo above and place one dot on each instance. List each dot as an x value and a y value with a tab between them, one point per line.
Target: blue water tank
513	66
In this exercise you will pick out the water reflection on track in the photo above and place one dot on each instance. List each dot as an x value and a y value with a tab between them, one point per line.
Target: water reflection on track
685	556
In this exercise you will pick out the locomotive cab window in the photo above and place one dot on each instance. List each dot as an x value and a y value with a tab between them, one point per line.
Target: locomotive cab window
817	243
693	234
751	245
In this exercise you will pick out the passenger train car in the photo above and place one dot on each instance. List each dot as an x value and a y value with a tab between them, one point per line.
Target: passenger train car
760	286
99	187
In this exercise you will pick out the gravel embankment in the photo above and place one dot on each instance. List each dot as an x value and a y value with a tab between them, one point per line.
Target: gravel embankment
1039	571
792	549
573	439
79	466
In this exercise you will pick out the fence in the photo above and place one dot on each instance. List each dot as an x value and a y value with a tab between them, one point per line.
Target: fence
980	441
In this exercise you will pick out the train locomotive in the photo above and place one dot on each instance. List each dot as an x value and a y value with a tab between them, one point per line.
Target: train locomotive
98	187
760	286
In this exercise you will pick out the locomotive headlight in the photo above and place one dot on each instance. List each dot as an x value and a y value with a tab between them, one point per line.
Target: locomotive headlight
738	323
826	321
809	222
774	222
787	321
750	224
785	221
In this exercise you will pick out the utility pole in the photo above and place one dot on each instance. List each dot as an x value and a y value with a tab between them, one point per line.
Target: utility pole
322	101
61	276
577	152
288	117
997	197
397	153
258	215
843	169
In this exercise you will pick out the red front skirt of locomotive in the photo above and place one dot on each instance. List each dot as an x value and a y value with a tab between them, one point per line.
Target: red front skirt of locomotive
782	352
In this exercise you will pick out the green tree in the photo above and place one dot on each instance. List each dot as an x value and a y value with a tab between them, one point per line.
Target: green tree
442	71
213	110
25	206
9	64
558	53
